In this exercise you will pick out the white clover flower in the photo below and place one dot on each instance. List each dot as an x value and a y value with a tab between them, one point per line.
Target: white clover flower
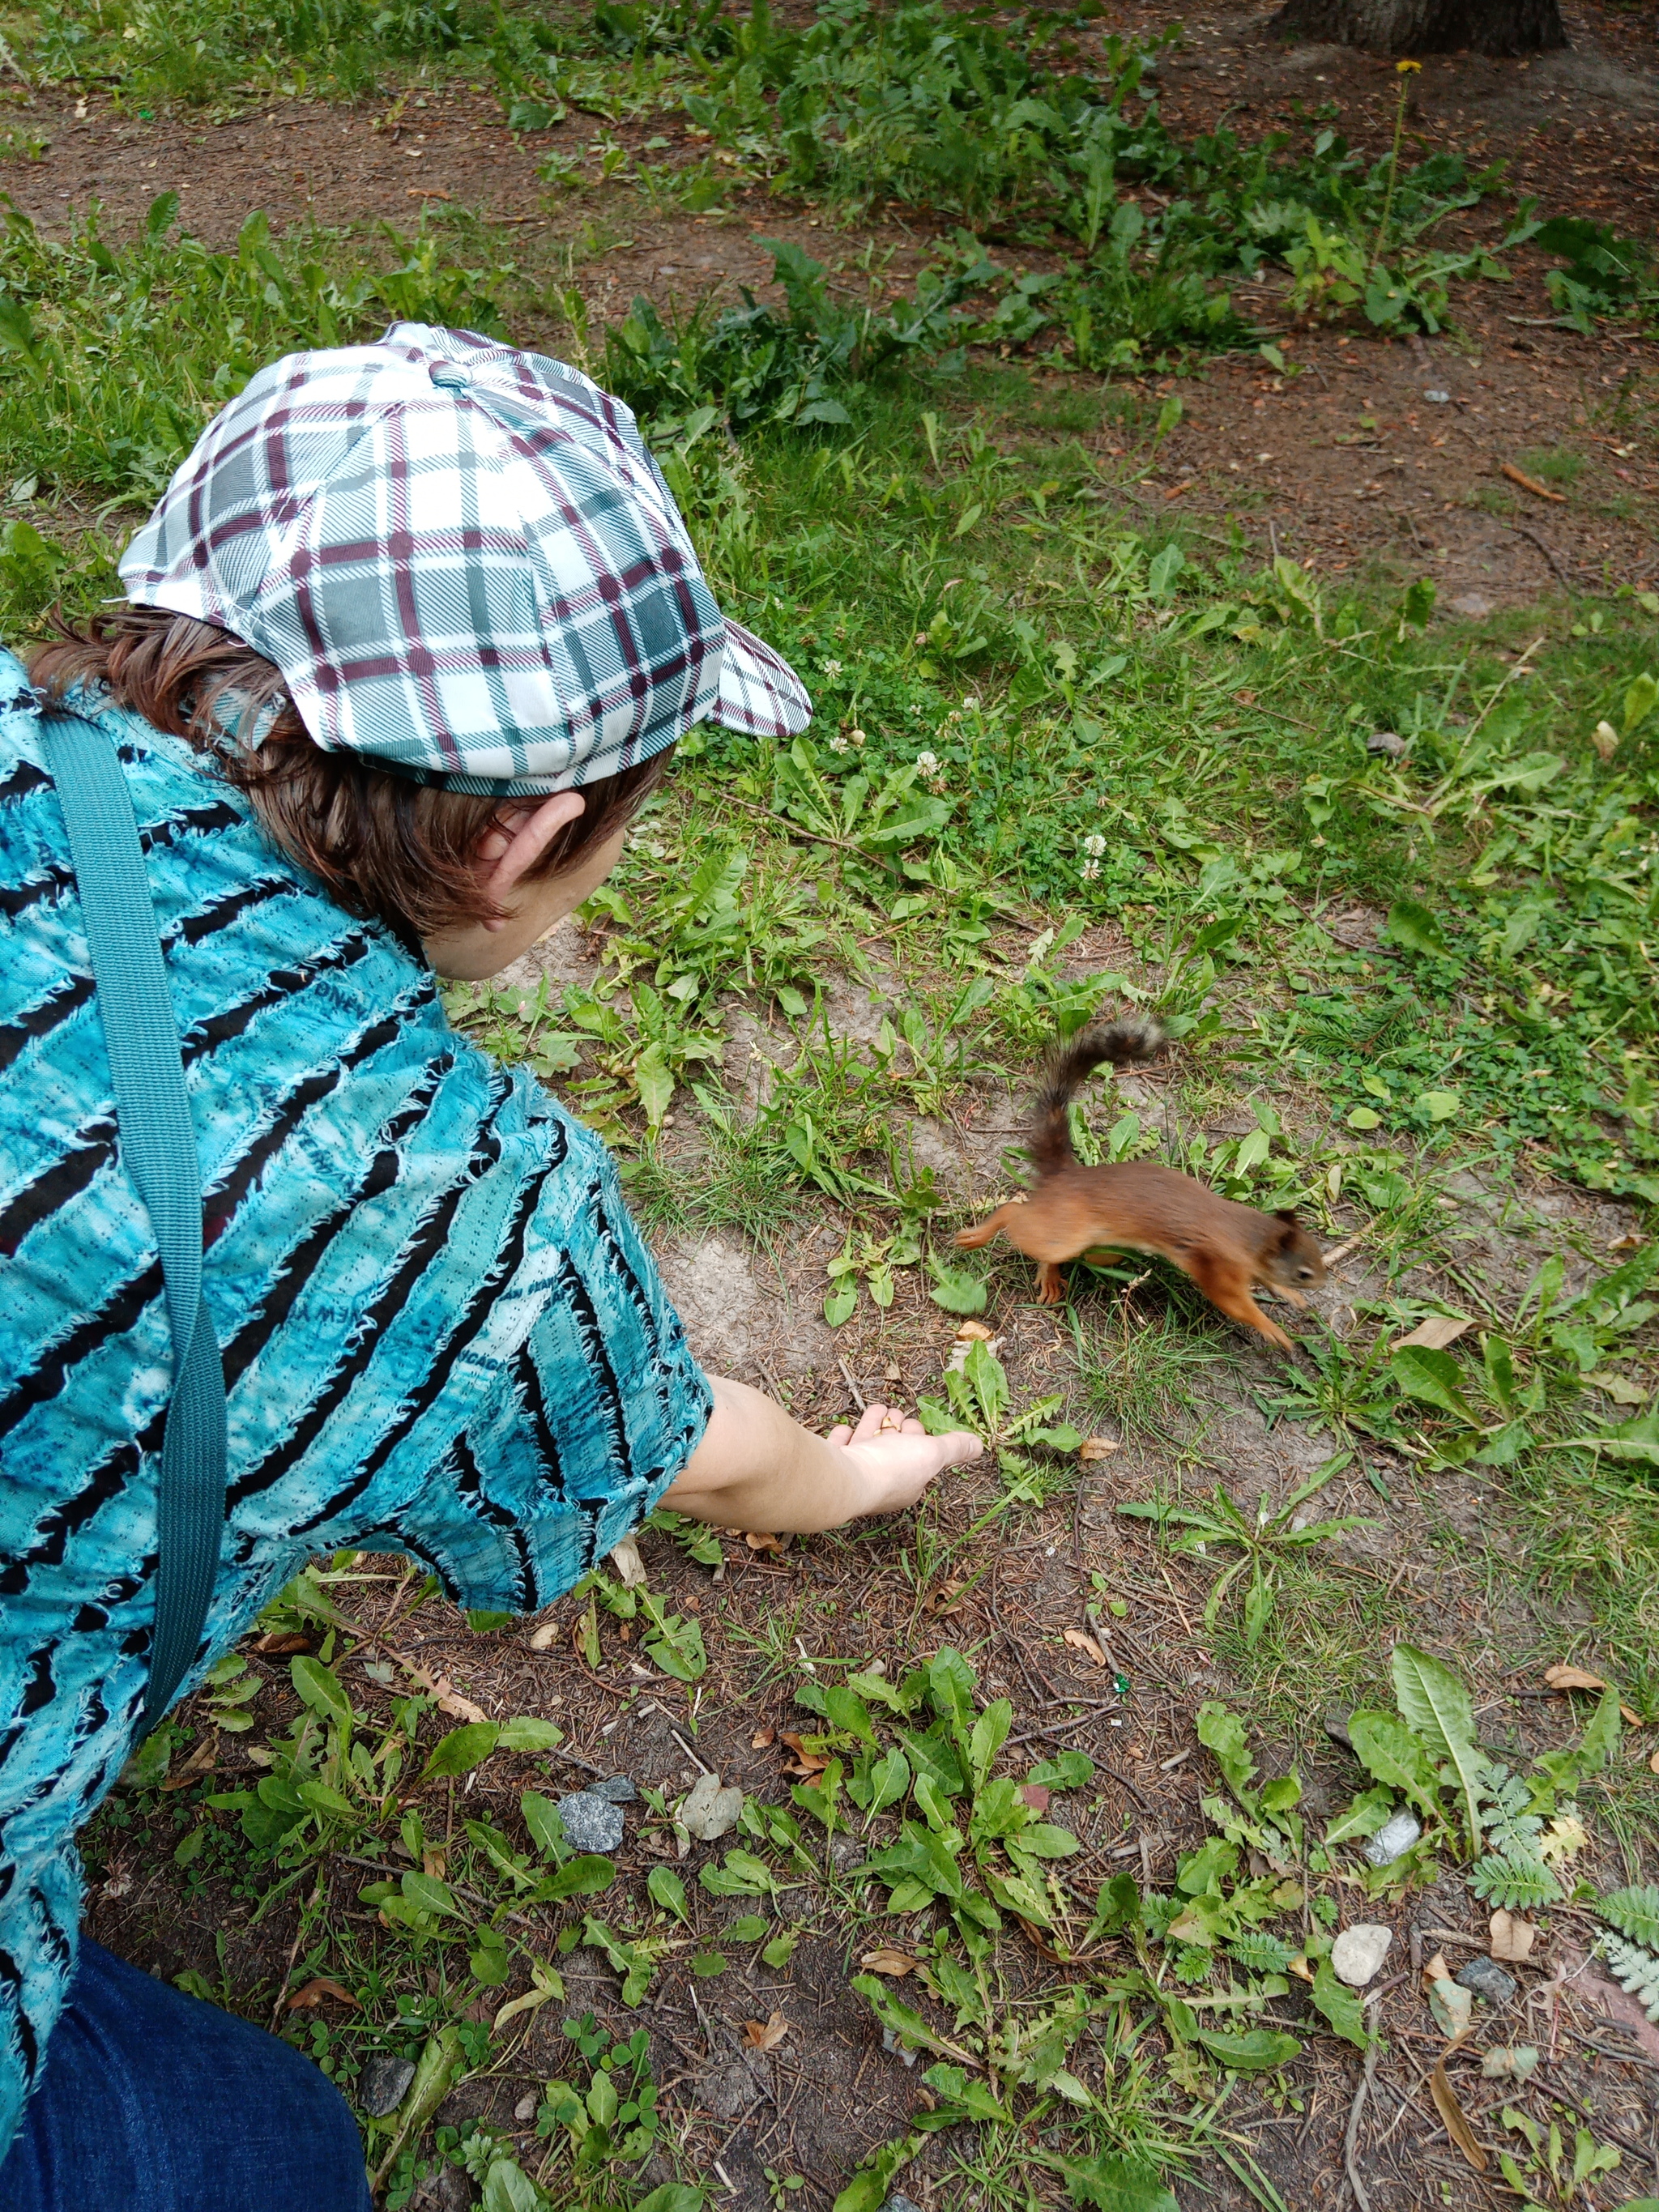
831	668
1094	845
1090	870
928	764
840	744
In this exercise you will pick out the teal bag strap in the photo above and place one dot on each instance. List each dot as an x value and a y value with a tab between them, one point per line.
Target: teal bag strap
158	1150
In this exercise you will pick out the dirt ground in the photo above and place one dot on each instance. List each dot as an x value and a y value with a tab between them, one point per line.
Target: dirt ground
1418	486
1423	492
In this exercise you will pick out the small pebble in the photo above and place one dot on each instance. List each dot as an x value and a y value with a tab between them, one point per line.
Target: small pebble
1336	1721
383	2083
591	1823
618	1791
1393	744
898	2202
1438	398
1485	1978
1359	1951
1397	1834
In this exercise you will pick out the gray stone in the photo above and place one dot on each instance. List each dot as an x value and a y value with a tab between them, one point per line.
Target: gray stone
1397	1834
1485	1977
618	1791
591	1823
1387	741
726	2090
1473	603
898	2202
1336	1727
1359	1951
709	1811
383	2083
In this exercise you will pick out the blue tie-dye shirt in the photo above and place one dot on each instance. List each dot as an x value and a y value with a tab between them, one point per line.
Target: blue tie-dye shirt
441	1333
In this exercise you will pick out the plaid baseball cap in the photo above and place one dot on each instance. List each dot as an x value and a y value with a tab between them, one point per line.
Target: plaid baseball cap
465	562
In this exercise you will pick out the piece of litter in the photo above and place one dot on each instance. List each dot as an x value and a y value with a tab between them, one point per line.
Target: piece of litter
1438	398
1396	1835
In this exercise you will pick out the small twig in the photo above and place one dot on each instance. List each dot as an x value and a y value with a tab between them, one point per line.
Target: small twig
1607	2051
690	1754
315	1897
847	1376
1548	552
1351	2138
1453	1935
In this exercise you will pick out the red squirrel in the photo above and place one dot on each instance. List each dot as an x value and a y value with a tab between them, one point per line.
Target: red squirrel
1140	1207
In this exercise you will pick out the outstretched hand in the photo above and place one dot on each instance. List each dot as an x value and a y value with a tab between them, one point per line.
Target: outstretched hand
896	1458
756	1469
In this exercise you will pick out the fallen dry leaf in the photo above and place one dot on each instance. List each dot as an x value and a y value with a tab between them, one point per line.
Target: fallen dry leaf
434	1863
1436	1970
974	1331
1035	1794
625	1558
763	1739
1512	1938
1562	1677
895	1964
1300	1967
765	2035
1457	2125
1564	1838
1435	1334
315	1991
545	1638
1080	1642
1093	1447
805	1763
1604	739
282	1640
1530	483
944	1601
1653	1762
200	1761
762	1539
444	1694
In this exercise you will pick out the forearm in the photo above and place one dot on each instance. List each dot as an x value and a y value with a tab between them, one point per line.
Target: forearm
756	1469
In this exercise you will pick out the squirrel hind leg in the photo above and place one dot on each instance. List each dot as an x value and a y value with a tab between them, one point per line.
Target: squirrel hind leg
1051	1285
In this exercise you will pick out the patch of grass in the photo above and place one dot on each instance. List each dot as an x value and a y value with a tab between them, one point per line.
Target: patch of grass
1554	463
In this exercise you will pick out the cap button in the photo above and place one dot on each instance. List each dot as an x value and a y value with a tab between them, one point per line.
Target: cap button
450	375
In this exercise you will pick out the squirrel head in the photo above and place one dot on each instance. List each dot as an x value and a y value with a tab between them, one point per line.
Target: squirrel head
1291	1257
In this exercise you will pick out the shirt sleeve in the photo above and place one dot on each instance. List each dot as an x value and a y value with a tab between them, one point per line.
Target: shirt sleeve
585	1408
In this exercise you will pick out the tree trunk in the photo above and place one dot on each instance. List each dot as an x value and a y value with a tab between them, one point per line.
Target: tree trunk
1426	27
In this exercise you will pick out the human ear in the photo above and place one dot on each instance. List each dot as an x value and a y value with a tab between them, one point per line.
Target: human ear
510	852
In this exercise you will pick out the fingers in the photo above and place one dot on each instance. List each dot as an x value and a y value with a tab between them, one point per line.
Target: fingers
840	1434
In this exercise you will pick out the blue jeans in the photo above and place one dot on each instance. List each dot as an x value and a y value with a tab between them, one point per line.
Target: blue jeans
152	2101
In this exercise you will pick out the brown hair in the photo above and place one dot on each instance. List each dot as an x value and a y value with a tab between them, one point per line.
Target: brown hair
382	845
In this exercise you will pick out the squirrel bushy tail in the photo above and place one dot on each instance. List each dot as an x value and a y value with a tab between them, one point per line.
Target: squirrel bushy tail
1068	1068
